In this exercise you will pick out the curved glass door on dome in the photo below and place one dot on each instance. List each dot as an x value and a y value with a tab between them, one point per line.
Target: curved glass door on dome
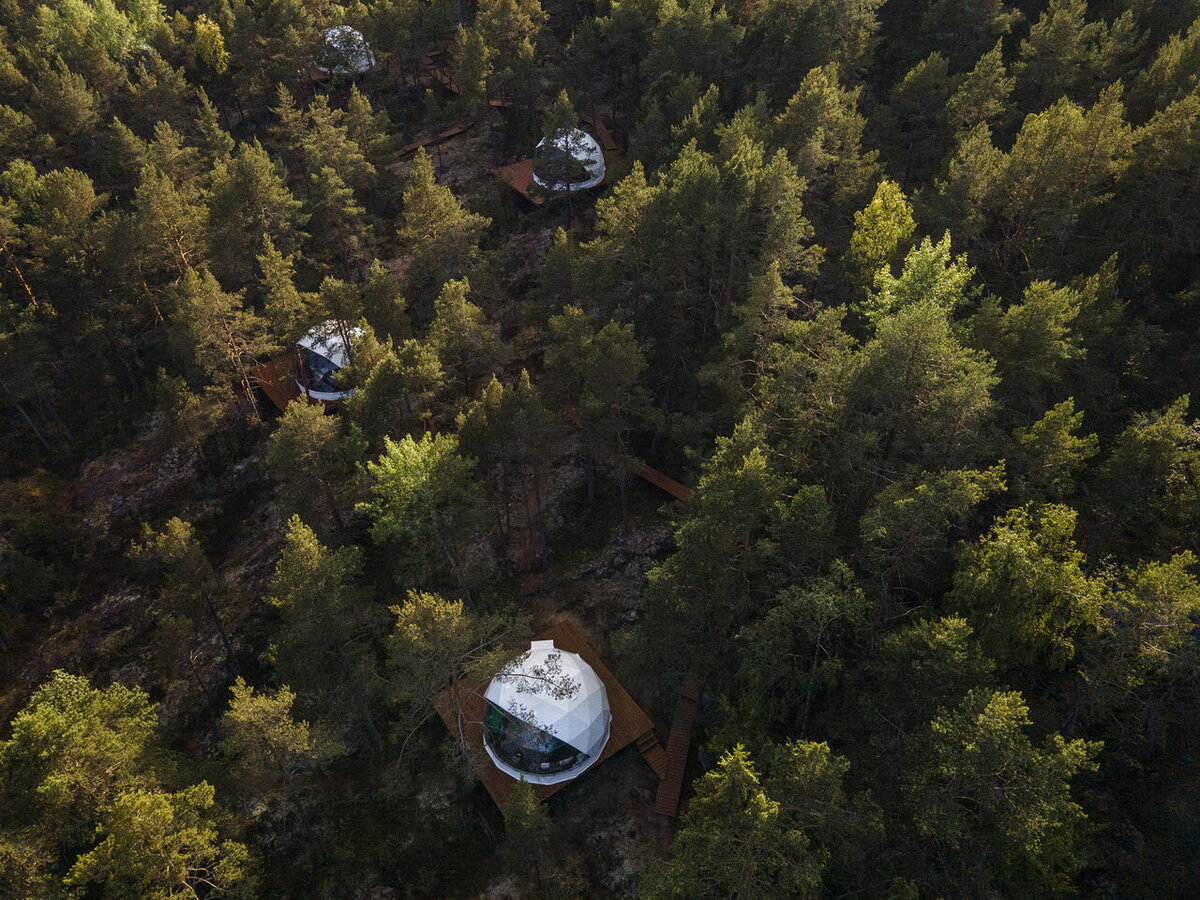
527	747
319	373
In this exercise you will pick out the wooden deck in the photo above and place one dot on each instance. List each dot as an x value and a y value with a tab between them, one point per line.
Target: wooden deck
519	176
629	724
277	381
669	789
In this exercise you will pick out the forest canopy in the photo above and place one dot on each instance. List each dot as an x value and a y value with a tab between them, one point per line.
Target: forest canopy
902	295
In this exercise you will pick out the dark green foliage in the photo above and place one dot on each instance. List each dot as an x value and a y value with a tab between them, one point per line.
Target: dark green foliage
84	803
906	292
993	811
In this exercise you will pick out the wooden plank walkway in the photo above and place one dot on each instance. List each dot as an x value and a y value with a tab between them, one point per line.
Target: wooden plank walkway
669	789
437	67
661	481
630	724
453	131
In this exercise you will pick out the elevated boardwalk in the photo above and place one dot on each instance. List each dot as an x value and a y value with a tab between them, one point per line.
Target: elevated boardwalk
434	140
630	725
661	481
669	789
437	67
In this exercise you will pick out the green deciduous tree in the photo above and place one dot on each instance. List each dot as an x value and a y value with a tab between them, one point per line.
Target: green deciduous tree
993	812
881	231
73	750
428	509
1023	587
163	846
82	806
1053	451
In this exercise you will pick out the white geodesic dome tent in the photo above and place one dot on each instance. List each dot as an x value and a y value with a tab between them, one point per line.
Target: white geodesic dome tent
321	354
348	50
585	156
546	716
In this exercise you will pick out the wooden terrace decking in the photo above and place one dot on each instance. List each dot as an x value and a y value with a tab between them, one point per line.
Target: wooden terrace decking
630	725
519	176
277	381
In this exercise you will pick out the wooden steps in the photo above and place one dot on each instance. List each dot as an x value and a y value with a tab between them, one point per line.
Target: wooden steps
666	803
653	753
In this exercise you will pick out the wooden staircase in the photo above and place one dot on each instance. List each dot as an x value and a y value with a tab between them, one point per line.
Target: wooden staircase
653	752
671	786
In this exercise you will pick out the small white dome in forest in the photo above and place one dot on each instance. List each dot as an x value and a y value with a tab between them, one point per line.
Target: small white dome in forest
546	715
347	50
571	160
322	353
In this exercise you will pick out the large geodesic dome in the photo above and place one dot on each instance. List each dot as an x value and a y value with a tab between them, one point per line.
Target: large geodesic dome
347	50
571	160
547	716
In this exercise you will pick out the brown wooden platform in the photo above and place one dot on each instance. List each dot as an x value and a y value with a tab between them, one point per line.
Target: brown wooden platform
277	380
669	789
519	176
629	724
